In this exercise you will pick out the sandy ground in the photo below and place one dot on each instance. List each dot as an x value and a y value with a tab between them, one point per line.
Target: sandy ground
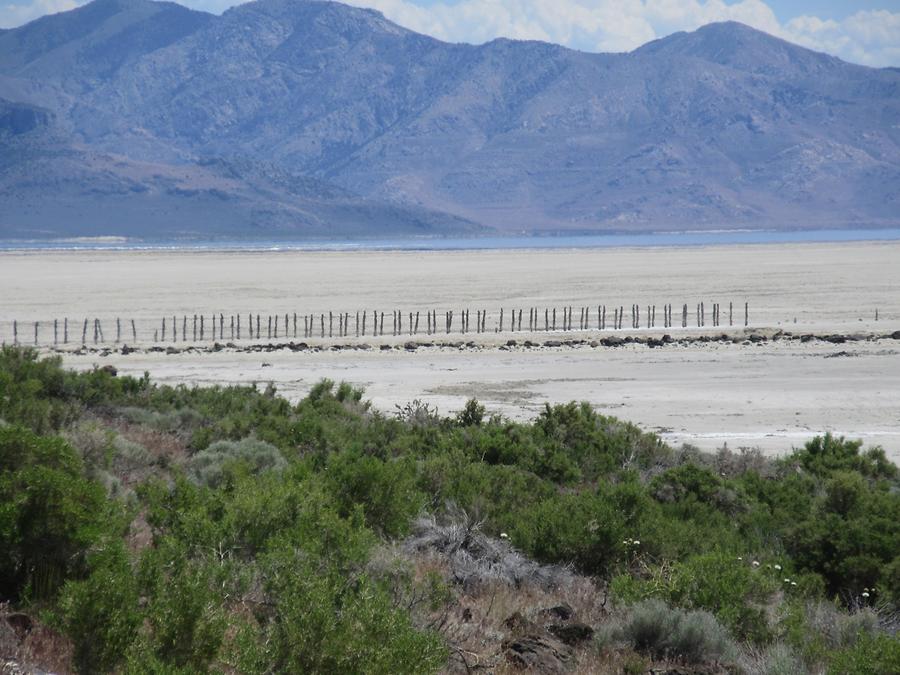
773	395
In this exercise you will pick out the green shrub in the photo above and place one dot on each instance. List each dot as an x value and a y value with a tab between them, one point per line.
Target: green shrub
826	454
385	491
716	582
580	528
326	625
50	515
100	613
872	654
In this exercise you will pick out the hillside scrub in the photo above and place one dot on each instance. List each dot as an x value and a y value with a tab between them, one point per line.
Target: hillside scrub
259	536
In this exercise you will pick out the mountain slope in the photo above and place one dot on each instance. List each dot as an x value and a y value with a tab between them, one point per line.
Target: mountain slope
722	127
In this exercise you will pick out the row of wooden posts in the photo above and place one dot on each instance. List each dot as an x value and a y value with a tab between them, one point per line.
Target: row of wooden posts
199	326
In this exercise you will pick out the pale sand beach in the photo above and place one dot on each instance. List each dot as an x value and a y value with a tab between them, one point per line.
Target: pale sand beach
771	395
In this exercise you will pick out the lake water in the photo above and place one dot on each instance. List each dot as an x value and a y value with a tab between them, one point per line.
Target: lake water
707	238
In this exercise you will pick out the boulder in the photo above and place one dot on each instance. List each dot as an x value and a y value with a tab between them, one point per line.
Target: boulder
572	633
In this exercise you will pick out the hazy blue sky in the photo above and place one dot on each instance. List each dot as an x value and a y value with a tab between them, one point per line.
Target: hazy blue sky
862	31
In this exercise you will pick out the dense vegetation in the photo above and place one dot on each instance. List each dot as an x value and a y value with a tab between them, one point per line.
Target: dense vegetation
171	530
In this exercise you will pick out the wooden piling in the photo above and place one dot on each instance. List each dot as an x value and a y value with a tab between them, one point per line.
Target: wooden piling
66	330
133	331
746	313
55	332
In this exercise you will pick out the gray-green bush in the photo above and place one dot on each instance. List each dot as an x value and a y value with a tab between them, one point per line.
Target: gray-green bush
651	627
208	466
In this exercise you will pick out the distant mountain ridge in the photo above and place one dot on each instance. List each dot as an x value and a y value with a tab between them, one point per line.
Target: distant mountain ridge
152	118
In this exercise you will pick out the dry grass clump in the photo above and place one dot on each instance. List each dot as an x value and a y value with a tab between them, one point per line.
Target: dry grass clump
488	600
475	560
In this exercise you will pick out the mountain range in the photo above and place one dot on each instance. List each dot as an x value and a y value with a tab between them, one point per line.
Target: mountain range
300	118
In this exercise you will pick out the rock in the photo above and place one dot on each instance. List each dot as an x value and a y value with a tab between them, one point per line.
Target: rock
110	370
563	612
126	350
21	624
385	348
612	341
543	655
172	350
511	343
572	633
552	343
757	338
594	343
517	624
895	335
807	338
667	339
410	346
834	339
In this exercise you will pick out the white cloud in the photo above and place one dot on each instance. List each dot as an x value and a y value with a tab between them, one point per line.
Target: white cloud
870	37
12	15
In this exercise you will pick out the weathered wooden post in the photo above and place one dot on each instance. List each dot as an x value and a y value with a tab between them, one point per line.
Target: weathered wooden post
55	332
321	325
500	330
164	329
96	332
15	332
133	331
746	313
84	332
195	328
554	318
231	327
156	335
202	327
66	330
730	313
269	327
36	324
